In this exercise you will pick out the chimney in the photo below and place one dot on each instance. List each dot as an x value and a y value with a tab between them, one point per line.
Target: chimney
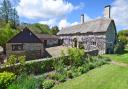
107	11
82	18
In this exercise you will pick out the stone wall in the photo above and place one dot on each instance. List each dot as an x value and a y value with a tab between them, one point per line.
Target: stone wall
30	50
90	42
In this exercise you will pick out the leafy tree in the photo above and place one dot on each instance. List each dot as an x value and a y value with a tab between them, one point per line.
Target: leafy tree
123	39
6	34
123	33
54	30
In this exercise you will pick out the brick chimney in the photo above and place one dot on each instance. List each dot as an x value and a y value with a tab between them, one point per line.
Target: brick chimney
82	18
107	11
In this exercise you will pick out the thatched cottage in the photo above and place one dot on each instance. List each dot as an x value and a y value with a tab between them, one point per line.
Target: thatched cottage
99	34
29	44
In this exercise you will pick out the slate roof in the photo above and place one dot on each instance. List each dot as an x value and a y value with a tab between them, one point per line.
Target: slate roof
46	36
98	25
25	36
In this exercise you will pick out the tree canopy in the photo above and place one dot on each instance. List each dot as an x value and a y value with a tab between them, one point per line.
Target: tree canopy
9	13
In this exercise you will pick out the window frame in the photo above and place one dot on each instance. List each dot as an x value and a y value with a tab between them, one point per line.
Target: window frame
17	47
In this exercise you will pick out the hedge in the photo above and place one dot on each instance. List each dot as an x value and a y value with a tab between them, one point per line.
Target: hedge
34	67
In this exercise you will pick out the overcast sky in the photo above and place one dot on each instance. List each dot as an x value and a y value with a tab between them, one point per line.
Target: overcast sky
67	12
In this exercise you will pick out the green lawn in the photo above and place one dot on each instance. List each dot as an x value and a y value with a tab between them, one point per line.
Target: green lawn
105	77
120	57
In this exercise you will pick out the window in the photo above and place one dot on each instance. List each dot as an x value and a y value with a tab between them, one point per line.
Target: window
93	43
17	47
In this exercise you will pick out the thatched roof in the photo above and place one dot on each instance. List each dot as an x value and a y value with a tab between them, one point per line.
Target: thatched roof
98	25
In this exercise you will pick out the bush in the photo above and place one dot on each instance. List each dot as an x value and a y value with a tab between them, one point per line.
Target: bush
81	69
119	48
60	77
123	39
76	56
12	60
69	74
6	79
24	82
47	84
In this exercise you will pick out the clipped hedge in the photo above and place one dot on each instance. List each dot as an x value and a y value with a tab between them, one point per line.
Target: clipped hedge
35	66
6	78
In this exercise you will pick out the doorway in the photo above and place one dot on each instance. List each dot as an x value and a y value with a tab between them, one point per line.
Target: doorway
45	43
75	42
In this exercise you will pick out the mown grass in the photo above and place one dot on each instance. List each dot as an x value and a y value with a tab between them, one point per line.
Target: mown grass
104	77
119	57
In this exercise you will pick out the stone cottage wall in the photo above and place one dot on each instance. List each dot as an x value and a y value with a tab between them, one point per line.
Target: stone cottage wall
90	42
30	50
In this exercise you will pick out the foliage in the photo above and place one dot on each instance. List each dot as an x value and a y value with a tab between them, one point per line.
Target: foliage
6	78
123	36
9	13
13	59
6	34
123	33
47	84
76	56
60	77
54	30
24	82
119	48
70	74
123	39
104	77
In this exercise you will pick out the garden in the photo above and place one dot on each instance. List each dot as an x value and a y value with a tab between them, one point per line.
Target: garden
48	73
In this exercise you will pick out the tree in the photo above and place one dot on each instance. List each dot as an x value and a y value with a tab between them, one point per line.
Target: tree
14	18
54	30
5	10
6	34
9	14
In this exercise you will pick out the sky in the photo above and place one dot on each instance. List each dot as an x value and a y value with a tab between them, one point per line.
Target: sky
65	13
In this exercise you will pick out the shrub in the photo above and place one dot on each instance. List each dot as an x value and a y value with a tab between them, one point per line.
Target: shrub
60	77
24	82
12	60
123	39
81	69
59	65
69	74
47	84
52	76
119	48
6	79
76	56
